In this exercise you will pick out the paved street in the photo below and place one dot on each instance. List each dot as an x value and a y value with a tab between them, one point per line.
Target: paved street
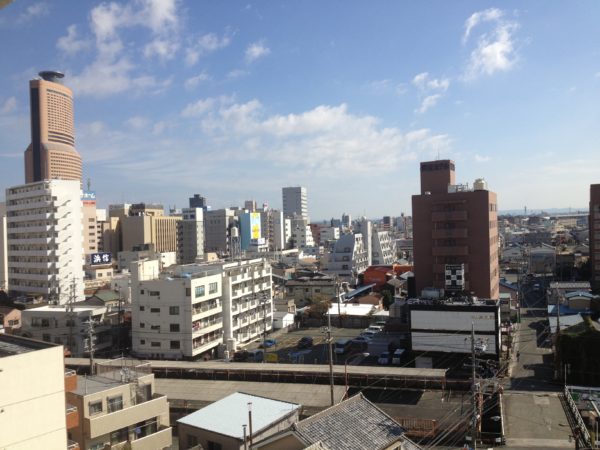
533	414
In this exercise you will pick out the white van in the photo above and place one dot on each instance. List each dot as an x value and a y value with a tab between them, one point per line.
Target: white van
342	346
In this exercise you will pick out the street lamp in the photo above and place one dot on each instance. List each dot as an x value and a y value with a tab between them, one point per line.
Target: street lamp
349	361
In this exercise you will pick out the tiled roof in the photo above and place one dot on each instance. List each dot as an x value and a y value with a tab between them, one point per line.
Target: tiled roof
353	424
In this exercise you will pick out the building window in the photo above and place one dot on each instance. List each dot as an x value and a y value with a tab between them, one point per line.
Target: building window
142	325
188	292
114	403
119	436
155	327
174	310
214	446
175	345
155	310
153	293
46	338
213	288
95	407
155	344
174	328
142	308
97	446
199	292
142	341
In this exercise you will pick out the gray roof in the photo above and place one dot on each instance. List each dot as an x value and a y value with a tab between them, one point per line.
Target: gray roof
353	424
227	416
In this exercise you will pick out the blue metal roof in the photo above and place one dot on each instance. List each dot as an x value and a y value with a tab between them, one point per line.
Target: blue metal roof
359	290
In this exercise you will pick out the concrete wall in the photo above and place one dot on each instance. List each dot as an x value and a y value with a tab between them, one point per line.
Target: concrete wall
33	406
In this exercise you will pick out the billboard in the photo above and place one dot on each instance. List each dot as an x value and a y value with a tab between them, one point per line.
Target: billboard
88	197
98	259
255	226
455	277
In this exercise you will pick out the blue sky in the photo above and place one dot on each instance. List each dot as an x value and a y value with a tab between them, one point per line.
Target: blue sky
234	100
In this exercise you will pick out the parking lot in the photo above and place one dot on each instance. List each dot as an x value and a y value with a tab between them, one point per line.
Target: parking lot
287	351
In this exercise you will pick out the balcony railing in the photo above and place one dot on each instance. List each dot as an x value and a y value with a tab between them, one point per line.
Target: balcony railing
72	445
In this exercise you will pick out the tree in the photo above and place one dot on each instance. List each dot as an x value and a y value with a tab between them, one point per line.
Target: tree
388	299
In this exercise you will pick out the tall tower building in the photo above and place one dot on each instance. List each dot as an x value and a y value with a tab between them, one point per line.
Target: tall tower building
295	203
594	230
51	154
455	232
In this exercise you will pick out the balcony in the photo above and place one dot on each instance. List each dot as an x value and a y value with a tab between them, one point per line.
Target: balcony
72	445
160	439
102	424
444	216
72	417
70	380
458	250
449	233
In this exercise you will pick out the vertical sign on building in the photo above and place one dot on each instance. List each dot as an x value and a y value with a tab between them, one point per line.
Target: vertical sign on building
255	226
455	277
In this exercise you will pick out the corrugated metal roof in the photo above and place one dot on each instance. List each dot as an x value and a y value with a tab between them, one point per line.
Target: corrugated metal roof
229	414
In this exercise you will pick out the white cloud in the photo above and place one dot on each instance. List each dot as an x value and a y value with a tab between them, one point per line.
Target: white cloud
70	44
138	122
491	14
162	48
495	50
424	83
428	102
206	44
193	82
198	108
256	51
9	105
33	11
237	73
481	159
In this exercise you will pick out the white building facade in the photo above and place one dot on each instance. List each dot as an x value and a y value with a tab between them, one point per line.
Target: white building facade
248	300
45	240
348	258
190	236
295	202
383	248
3	248
179	314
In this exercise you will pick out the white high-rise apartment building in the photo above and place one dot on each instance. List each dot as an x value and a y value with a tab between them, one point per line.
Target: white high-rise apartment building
3	248
295	203
190	236
179	313
348	258
383	248
44	237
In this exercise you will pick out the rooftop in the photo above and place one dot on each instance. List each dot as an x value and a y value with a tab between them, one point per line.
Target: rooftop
352	424
16	345
227	416
93	384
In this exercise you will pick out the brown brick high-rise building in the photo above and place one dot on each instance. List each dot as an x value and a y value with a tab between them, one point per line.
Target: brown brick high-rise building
51	153
594	227
455	225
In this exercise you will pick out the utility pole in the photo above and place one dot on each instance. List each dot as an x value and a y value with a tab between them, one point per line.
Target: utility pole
475	393
90	332
329	345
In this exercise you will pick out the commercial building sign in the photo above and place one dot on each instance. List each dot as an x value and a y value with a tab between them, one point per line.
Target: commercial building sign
98	259
255	226
88	197
455	277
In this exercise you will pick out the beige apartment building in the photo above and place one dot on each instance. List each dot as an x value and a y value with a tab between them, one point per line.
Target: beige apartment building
32	407
51	153
119	408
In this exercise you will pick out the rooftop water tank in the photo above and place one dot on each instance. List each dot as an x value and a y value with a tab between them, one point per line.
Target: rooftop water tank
480	185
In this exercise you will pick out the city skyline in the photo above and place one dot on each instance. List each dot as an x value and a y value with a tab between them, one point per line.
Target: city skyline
236	101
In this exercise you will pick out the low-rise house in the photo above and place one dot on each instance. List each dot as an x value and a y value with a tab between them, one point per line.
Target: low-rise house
119	406
224	425
353	424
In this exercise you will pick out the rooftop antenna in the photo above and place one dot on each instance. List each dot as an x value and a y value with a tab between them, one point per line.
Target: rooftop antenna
89	184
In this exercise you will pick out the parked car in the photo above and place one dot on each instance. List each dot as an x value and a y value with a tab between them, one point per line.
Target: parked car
240	356
342	346
397	356
256	355
375	328
384	359
305	342
268	343
368	334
